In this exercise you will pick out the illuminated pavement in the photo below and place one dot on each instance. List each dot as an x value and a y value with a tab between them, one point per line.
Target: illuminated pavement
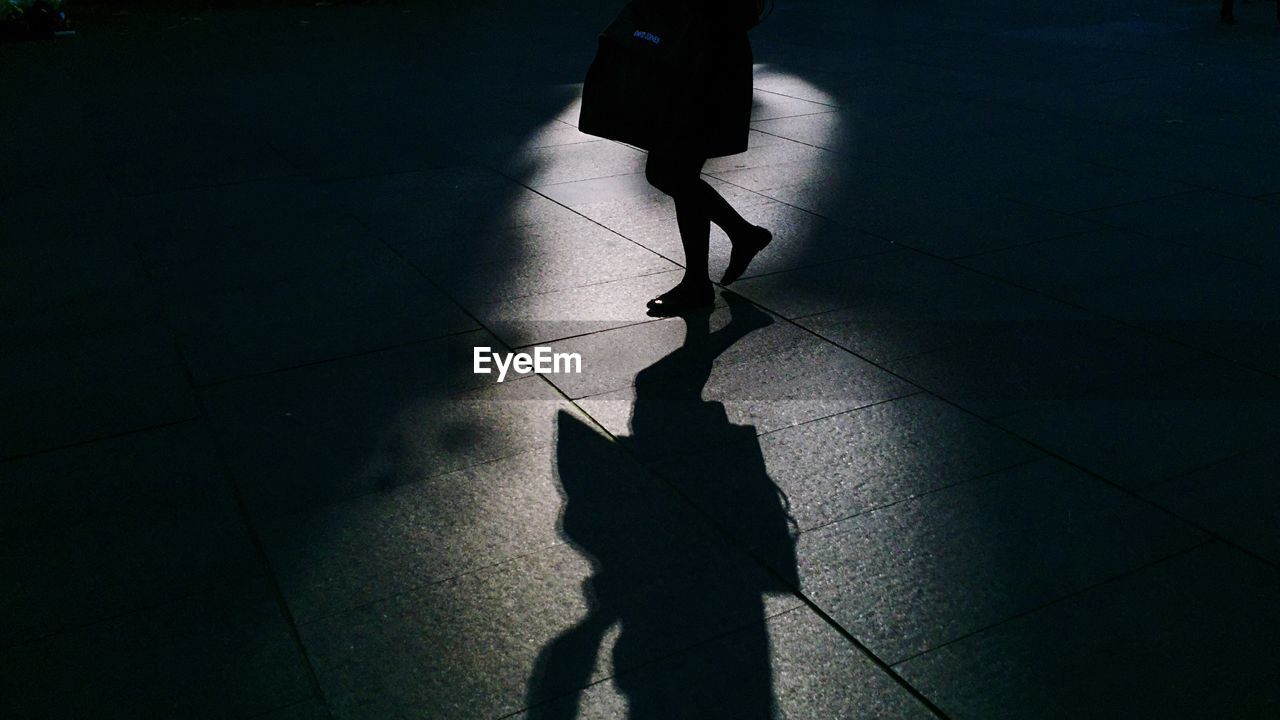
1012	361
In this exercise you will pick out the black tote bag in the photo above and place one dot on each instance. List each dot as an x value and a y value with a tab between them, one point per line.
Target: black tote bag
642	88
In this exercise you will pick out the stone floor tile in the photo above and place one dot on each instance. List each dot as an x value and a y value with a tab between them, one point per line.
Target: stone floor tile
450	203
1095	188
1233	226
848	283
82	409
137	520
426	531
1142	431
537	167
770	106
1041	360
372	143
807	670
969	221
497	133
257	253
972	227
224	653
491	642
1236	499
792	85
837	467
664	413
935	568
1080	267
319	434
620	185
780	150
1125	646
956	307
1208	165
85	343
1235	93
56	270
606	258
305	710
197	213
378	304
769	178
142	160
1211	302
441	256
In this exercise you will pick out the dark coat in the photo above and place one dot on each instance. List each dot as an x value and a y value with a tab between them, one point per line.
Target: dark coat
691	95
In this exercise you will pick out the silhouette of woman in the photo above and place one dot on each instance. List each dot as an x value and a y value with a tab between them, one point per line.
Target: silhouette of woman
653	571
704	112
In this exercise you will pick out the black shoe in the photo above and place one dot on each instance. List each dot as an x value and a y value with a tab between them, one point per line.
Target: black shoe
681	299
744	249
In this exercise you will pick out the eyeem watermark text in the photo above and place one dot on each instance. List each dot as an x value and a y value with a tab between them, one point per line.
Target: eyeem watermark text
541	360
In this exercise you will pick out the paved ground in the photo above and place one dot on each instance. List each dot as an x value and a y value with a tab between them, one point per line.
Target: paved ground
1012	362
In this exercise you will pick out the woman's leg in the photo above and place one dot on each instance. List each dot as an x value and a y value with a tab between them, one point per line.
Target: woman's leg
697	205
679	175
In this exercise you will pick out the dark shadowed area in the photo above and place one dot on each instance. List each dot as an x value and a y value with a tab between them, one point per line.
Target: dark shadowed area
986	432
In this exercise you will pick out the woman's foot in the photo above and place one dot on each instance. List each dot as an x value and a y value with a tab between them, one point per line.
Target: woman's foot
682	298
745	248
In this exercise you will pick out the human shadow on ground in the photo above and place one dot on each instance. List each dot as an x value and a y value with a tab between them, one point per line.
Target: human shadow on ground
661	574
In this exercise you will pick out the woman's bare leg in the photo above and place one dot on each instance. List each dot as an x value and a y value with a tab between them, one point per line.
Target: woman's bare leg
697	206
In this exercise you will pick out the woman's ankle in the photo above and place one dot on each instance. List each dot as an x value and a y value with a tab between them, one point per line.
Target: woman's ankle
748	233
